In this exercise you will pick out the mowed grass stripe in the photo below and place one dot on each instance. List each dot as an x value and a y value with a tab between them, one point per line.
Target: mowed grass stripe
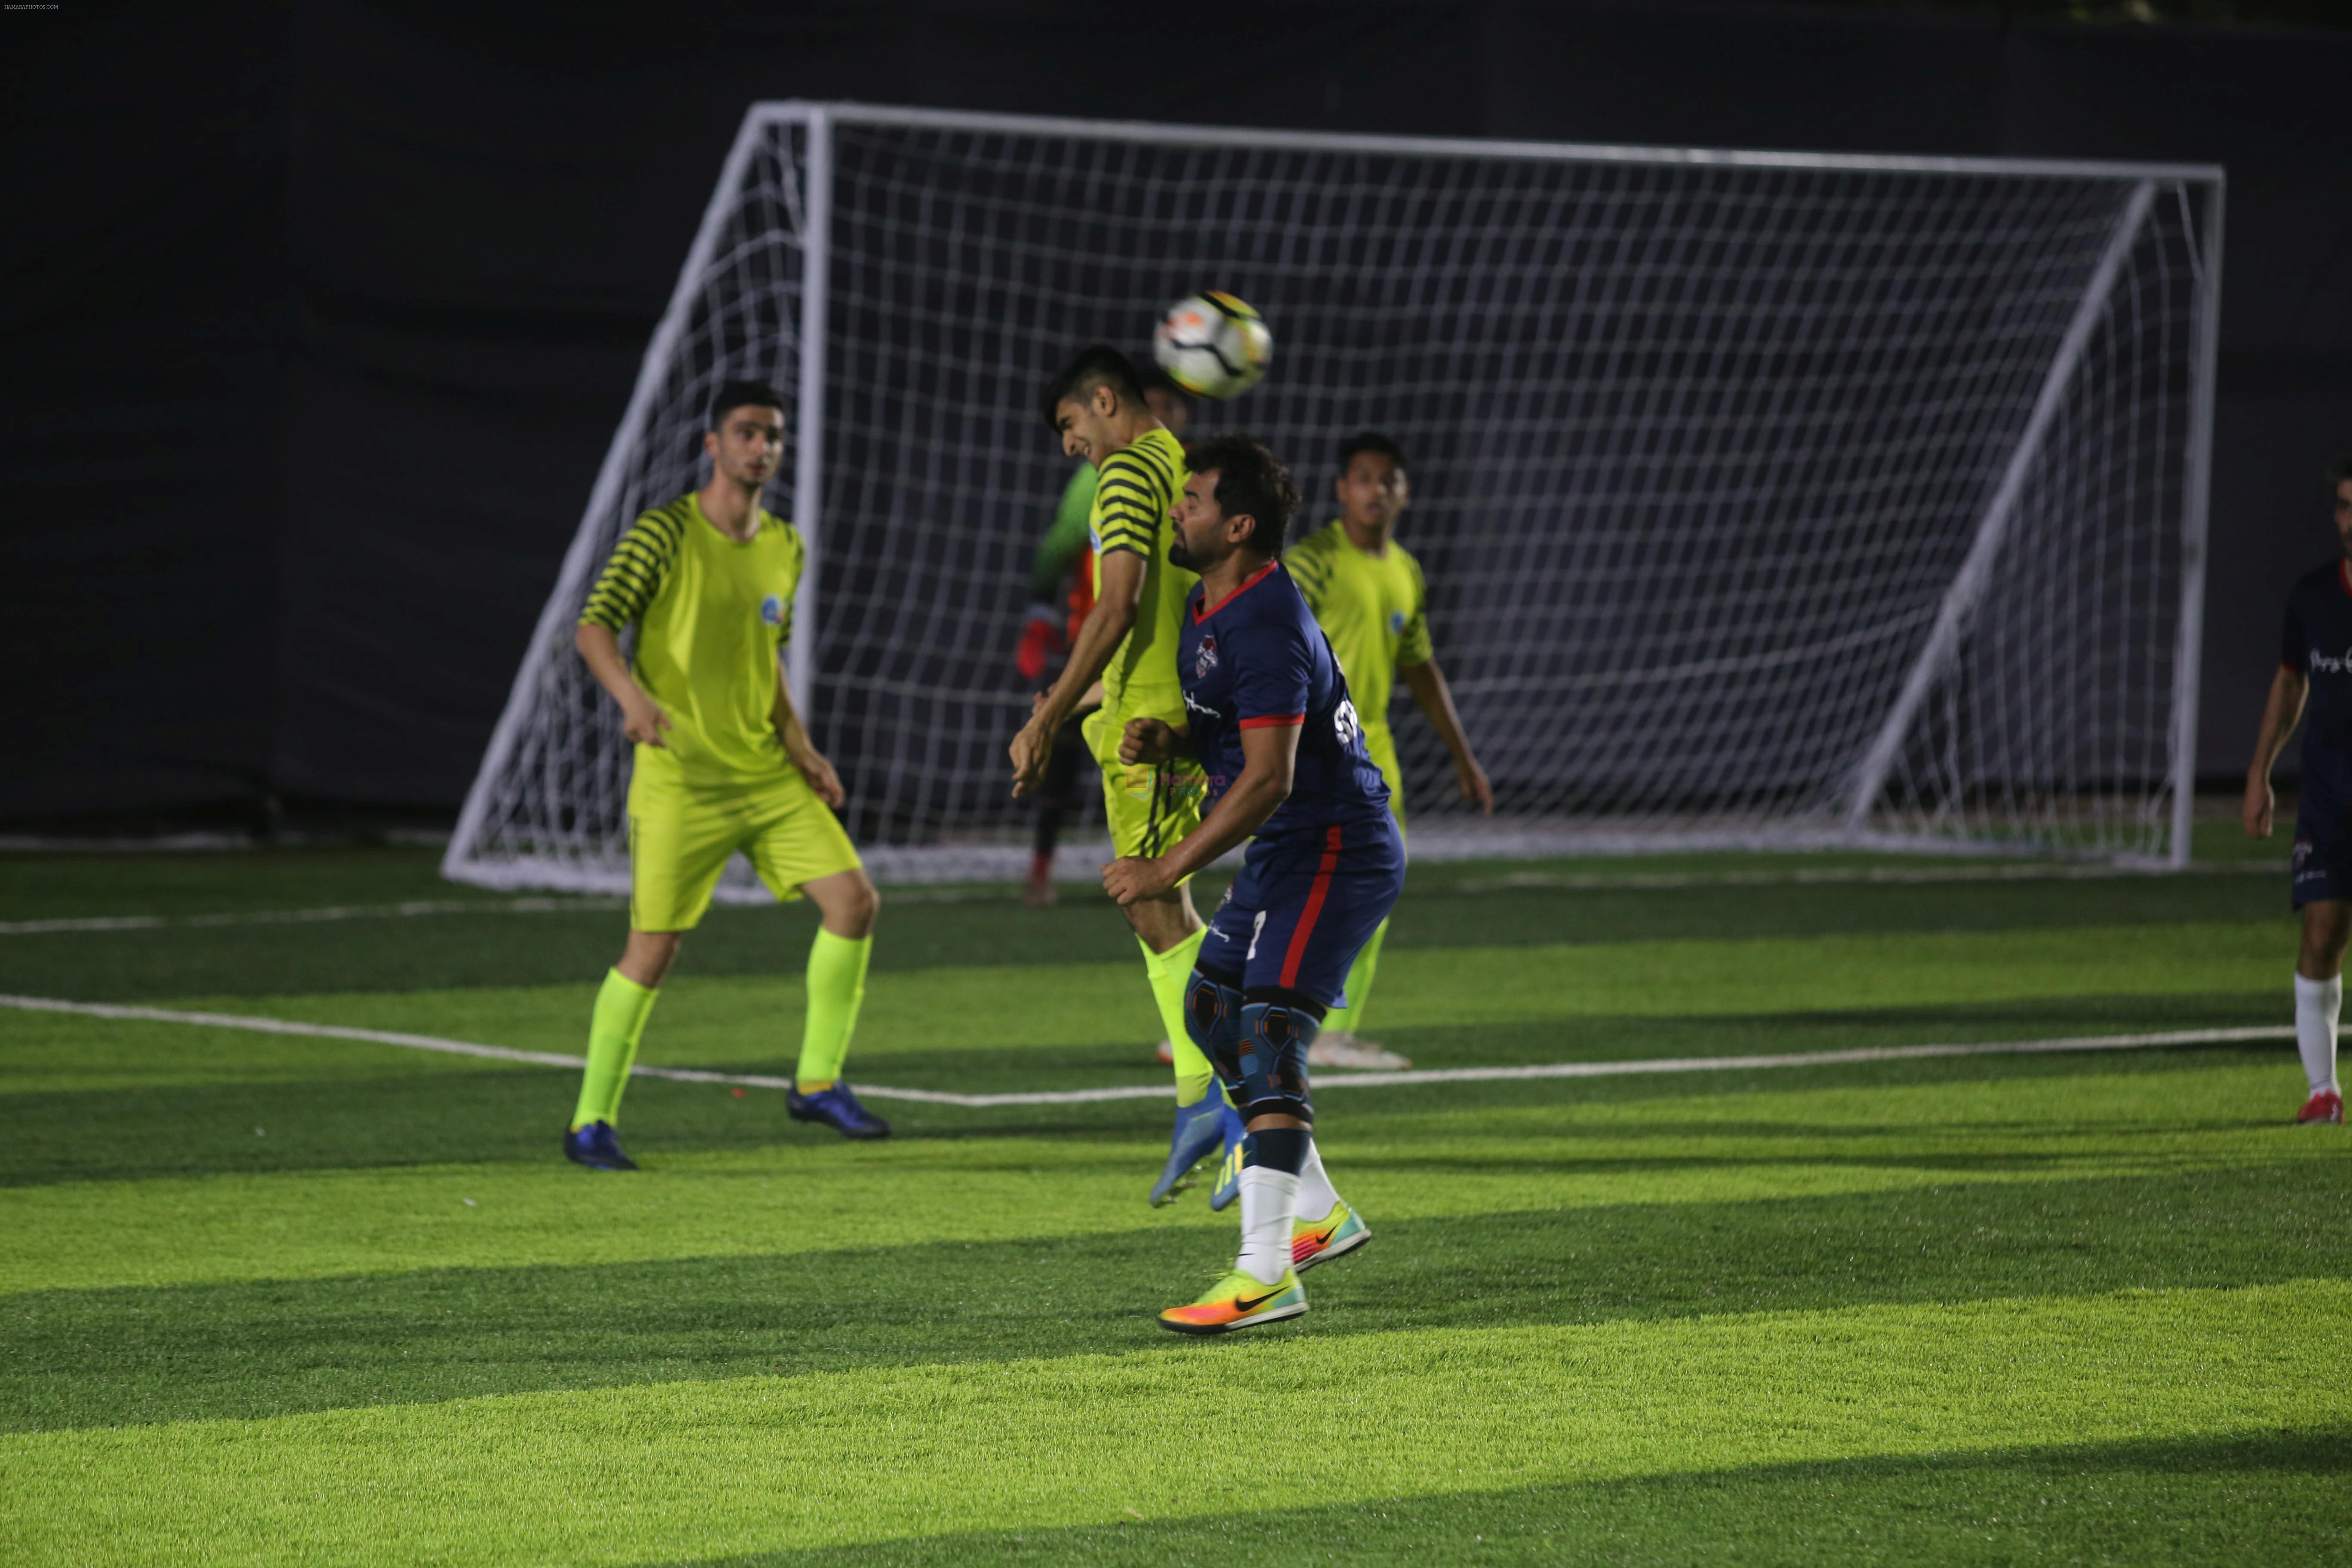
277	1347
2242	1497
1544	1153
720	1021
692	1469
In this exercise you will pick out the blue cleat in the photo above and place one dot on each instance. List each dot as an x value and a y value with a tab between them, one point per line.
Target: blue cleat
595	1147
837	1109
1229	1166
1200	1128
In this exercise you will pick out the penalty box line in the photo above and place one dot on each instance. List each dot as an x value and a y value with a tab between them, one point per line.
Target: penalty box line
1331	1079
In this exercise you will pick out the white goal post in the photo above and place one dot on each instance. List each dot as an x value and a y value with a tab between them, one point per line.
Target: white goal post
1764	499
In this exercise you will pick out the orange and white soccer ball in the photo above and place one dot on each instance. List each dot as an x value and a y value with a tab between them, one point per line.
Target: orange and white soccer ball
1213	344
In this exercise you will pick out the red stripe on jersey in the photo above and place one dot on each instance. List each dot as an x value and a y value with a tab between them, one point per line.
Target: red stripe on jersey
1201	611
1274	722
1296	953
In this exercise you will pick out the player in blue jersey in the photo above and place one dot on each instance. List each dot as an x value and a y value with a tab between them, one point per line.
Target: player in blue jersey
2316	667
1269	719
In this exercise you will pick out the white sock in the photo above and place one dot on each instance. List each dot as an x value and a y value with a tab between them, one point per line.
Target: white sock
1316	1195
1267	1199
2317	1004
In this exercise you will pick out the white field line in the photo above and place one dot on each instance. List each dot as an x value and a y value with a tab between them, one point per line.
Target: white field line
1092	1096
1510	882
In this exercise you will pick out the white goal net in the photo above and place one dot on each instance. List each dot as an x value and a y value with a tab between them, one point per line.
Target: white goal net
1763	499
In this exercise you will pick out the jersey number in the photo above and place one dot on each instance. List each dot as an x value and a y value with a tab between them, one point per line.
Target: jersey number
1345	724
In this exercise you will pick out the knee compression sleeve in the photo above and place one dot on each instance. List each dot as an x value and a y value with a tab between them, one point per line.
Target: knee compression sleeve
1212	1018
1276	1028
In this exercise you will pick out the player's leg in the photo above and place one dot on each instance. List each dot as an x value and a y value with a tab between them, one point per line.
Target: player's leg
1148	810
677	850
1262	1059
799	849
1359	879
2319	985
1342	1043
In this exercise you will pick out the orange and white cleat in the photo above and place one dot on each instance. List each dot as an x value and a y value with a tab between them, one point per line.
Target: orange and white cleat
2325	1106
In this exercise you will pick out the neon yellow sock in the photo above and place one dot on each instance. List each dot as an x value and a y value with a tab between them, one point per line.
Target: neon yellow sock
836	989
1360	985
614	1030
1171	972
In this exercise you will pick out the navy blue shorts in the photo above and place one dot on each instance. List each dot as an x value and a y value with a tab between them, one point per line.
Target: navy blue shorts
1302	909
2323	857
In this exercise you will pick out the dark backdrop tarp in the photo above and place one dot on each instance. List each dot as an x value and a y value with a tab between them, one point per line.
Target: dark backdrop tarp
318	315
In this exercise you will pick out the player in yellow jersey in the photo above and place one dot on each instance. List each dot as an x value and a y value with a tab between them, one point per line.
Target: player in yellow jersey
722	763
1128	643
1367	593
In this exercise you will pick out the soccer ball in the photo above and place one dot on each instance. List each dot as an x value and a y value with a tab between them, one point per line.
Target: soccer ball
1213	344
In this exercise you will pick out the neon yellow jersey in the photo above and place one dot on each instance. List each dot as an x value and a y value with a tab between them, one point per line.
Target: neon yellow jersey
1134	494
712	614
1375	608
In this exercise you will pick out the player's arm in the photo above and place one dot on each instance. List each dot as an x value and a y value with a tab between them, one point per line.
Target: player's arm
1435	700
802	753
1120	575
2281	713
629	581
1269	764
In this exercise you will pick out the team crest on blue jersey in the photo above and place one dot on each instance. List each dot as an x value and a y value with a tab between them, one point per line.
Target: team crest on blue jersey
771	610
1206	659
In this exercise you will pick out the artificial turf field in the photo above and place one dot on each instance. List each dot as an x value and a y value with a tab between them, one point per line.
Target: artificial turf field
274	1299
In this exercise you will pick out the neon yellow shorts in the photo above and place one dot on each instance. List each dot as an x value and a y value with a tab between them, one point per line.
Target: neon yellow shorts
1149	809
682	835
1382	744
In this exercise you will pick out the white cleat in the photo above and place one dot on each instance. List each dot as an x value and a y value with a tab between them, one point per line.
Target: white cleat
1339	1048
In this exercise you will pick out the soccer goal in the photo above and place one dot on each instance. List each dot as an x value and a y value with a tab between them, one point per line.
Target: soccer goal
1764	499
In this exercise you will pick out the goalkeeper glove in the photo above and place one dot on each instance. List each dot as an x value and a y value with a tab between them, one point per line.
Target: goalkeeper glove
1040	639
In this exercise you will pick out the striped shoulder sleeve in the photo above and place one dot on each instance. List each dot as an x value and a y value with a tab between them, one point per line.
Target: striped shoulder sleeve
634	573
1133	493
1309	564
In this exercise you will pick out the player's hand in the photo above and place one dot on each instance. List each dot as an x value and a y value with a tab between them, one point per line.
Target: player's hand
818	770
644	722
1030	750
1132	878
2260	803
1147	741
1475	787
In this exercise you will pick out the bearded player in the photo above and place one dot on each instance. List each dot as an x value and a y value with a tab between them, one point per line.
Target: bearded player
2315	666
1268	715
722	763
1128	643
1367	594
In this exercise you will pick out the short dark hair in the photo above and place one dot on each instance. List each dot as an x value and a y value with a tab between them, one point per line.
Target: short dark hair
1158	380
734	394
1372	441
1098	364
1251	482
2338	473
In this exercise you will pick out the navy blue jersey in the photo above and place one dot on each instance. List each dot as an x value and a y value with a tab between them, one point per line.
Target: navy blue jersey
2317	642
1256	657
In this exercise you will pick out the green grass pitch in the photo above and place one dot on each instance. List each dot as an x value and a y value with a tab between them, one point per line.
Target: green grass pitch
283	1299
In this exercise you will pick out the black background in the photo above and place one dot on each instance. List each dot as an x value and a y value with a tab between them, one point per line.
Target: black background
317	317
